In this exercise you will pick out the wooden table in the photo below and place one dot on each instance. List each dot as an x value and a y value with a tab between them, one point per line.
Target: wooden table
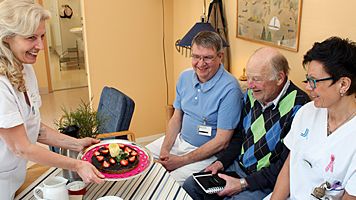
156	183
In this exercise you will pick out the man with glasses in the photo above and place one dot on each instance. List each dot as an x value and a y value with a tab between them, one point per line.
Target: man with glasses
256	152
207	110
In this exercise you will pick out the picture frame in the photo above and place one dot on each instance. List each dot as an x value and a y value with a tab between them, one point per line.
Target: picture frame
271	22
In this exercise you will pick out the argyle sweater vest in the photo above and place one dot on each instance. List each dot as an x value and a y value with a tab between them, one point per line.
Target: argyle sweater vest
263	132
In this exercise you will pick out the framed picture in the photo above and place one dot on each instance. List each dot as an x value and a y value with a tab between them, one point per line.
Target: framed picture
272	22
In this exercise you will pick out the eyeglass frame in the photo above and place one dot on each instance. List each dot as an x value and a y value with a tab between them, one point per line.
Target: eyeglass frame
260	79
312	82
197	58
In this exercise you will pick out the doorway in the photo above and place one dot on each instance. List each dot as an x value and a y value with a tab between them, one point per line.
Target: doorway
65	44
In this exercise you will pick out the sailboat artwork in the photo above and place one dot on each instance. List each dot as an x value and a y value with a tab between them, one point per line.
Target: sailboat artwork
274	24
271	22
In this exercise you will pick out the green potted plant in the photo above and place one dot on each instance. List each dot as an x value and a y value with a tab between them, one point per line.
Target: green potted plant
80	123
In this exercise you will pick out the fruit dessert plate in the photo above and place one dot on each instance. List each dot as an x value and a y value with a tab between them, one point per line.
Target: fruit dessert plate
118	159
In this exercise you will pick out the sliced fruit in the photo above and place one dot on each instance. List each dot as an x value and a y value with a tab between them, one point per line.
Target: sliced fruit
106	164
104	151
114	149
132	159
121	146
100	158
112	160
124	162
96	153
133	153
128	150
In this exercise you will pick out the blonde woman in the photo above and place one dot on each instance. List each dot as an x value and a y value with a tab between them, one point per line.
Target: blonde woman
22	29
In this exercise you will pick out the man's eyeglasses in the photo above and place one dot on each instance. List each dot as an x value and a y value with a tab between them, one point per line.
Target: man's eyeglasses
312	82
205	59
255	79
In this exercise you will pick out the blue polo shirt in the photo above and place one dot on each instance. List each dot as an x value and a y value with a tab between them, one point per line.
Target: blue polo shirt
215	103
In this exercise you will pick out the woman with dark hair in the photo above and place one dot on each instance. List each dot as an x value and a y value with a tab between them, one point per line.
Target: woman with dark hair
322	159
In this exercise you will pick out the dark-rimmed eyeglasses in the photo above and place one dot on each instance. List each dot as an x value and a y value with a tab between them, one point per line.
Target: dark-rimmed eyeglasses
312	82
205	59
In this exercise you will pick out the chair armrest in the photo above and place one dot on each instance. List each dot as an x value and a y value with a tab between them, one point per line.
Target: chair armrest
130	135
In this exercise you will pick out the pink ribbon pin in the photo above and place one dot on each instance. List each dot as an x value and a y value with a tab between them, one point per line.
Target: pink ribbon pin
331	164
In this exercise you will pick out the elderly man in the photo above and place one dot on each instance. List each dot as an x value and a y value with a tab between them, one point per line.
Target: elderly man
207	110
256	152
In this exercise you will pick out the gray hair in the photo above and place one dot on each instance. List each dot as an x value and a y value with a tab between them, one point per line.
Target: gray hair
279	63
17	17
273	59
208	39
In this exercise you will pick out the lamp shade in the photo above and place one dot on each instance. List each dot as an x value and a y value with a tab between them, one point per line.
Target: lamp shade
198	27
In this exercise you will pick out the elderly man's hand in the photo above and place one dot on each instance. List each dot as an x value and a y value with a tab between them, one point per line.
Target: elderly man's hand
173	162
215	167
164	155
232	186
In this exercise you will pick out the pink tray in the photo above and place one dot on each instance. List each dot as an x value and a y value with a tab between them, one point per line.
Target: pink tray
145	159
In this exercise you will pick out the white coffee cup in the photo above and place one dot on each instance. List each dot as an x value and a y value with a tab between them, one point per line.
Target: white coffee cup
53	188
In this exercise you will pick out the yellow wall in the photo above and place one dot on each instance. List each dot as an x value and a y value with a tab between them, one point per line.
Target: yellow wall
124	40
41	70
41	73
124	47
319	21
186	14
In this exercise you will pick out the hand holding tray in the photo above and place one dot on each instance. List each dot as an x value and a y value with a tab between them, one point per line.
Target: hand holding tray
145	159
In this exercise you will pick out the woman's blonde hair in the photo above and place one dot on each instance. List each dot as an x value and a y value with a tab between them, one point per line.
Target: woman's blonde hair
17	17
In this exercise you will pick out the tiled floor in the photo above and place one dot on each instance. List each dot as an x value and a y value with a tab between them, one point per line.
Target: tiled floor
68	77
52	103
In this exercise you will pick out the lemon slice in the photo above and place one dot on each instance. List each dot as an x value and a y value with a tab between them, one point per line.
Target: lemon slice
114	149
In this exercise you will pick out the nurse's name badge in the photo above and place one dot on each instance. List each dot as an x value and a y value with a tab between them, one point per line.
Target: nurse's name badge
319	192
204	130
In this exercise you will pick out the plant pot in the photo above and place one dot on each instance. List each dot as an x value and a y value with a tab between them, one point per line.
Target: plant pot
70	175
71	130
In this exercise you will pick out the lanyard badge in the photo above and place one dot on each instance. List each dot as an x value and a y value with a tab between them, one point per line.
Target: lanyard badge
319	192
204	129
322	191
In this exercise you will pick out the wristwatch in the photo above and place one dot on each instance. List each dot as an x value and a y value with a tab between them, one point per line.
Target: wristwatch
243	184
